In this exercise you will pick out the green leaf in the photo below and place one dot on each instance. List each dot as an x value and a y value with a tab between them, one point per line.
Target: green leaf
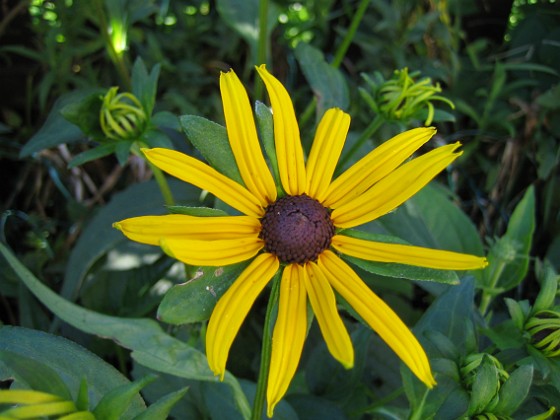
70	361
36	375
92	154
509	257
397	270
265	127
150	345
194	300
115	402
485	387
328	84
99	236
514	391
56	129
196	211
243	17
549	287
85	114
451	315
212	142
144	84
516	312
161	408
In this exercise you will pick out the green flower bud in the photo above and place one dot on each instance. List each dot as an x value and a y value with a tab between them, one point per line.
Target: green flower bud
402	98
35	404
122	116
473	361
544	329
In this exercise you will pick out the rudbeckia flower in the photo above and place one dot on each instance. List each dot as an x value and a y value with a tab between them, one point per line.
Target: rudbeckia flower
300	231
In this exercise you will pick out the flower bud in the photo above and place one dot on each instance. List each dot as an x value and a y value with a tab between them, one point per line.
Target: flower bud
402	98
544	330
122	116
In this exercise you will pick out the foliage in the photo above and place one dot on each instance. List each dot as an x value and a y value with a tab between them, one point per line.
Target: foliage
88	319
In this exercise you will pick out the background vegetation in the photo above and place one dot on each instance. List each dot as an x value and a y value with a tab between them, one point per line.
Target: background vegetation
494	339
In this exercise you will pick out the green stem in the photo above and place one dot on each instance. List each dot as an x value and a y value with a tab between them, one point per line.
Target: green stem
366	134
260	395
261	47
117	58
487	297
343	47
158	175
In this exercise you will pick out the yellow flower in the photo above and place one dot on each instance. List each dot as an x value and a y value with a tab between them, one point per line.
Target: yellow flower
300	232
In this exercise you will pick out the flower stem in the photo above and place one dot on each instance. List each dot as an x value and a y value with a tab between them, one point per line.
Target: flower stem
260	395
158	175
343	47
366	134
487	291
261	46
117	59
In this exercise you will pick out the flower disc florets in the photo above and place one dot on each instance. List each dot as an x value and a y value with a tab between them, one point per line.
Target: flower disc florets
296	229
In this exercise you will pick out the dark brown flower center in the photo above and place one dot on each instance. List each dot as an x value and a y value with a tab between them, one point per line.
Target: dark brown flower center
296	228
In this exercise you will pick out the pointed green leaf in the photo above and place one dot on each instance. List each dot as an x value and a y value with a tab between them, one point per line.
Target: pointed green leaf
144	84
92	154
485	387
150	345
514	391
161	408
194	300
212	142
115	402
328	83
196	211
56	129
72	363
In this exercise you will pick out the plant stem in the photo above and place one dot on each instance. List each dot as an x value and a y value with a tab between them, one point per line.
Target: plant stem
343	47
261	47
366	134
158	175
260	395
487	297
117	58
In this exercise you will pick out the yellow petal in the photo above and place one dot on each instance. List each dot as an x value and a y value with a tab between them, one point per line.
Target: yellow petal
376	165
323	303
325	152
242	135
289	334
151	229
212	253
232	309
407	254
377	315
286	136
195	172
397	187
25	396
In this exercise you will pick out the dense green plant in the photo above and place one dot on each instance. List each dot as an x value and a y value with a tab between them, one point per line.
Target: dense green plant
87	85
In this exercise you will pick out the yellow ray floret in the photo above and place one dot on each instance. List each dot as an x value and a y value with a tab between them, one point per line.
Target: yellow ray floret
233	307
397	187
242	135
323	302
289	334
286	136
377	315
213	253
151	229
407	254
193	171
323	157
377	164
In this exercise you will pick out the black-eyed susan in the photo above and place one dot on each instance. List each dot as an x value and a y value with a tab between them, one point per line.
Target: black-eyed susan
300	231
